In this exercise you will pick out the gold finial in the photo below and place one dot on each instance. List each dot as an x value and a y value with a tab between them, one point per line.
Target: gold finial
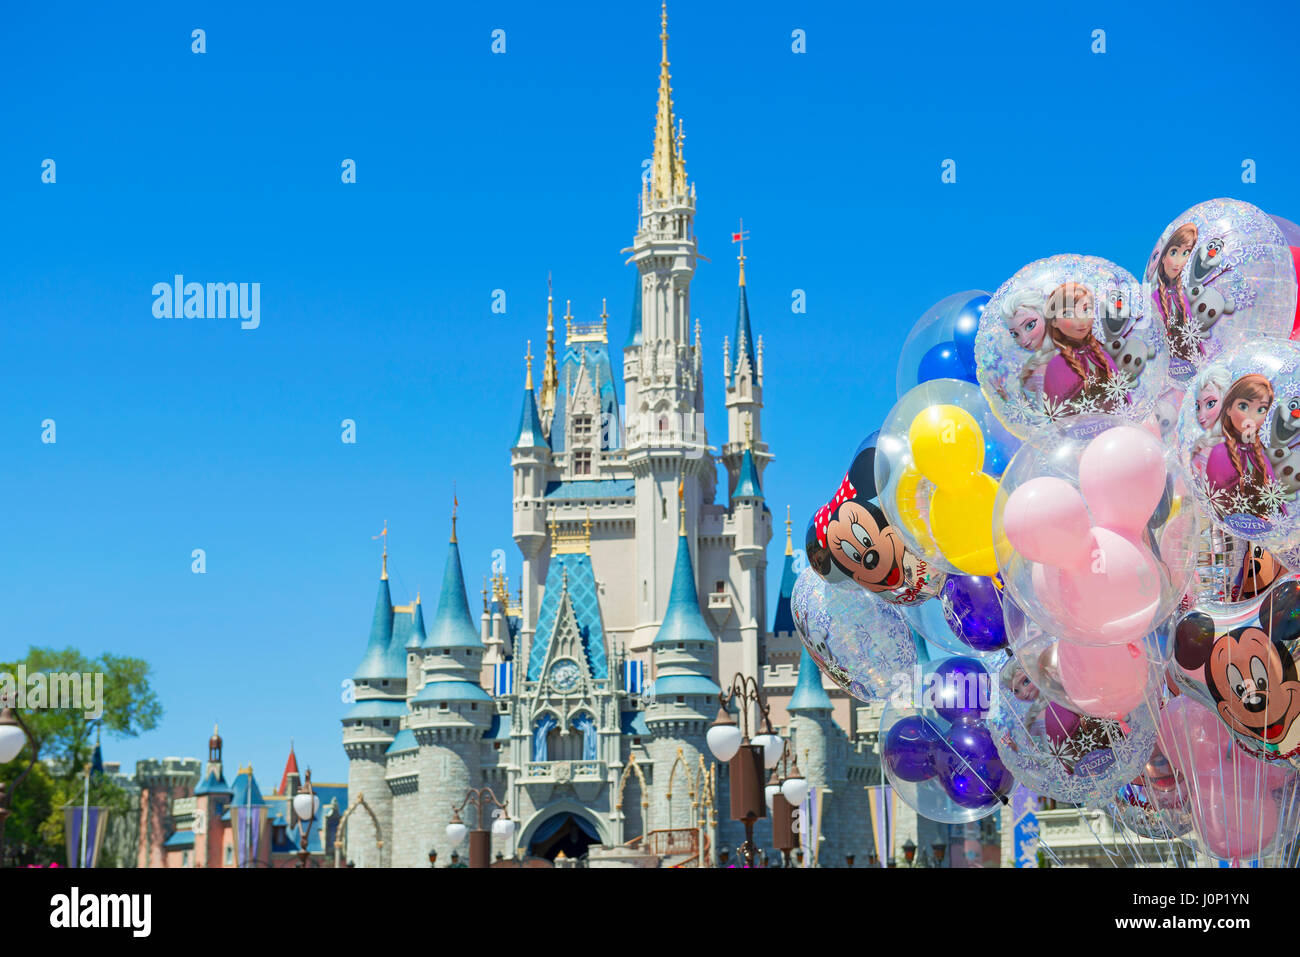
667	177
528	364
383	573
485	601
550	377
789	533
455	504
740	237
417	596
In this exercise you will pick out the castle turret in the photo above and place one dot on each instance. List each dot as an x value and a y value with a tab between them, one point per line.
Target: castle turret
530	458
743	381
212	796
447	720
684	655
369	725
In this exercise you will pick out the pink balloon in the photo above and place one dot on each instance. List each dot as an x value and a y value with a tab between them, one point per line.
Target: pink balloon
1108	681
1046	521
1234	815
1192	737
1110	600
1122	477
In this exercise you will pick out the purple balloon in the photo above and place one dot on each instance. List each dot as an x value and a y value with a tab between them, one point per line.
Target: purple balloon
973	609
962	690
970	771
911	747
1290	231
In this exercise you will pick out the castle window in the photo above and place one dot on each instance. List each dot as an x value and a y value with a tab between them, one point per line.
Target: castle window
719	587
446	651
473	706
442	706
681	646
384	683
681	699
581	425
582	462
386	722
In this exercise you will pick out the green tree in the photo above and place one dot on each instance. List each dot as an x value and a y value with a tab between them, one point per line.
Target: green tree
66	742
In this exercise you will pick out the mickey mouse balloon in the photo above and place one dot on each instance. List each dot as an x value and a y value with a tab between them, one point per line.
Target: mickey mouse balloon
1067	335
1239	442
851	538
1220	275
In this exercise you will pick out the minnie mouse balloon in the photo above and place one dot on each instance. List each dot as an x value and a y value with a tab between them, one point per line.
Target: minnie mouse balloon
850	538
1067	335
857	640
1239	441
1220	275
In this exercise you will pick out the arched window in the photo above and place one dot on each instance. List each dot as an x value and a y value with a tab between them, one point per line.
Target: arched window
585	725
542	728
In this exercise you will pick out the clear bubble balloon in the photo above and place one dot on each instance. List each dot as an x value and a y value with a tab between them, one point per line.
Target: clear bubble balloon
1063	754
1066	336
1221	275
1239	442
932	455
1095	532
938	752
859	641
941	344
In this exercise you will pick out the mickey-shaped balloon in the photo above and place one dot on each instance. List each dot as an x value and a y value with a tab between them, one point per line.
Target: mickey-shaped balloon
850	537
1240	660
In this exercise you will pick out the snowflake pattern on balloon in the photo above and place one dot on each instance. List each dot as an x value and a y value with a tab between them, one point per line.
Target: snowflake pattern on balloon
1039	359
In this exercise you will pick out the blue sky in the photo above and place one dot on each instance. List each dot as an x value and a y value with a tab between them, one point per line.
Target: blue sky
477	172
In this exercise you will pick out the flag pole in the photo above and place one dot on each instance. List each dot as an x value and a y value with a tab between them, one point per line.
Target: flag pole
85	818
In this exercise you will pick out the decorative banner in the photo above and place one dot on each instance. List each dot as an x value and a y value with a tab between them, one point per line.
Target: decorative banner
248	832
810	826
1025	834
882	802
96	821
633	676
503	678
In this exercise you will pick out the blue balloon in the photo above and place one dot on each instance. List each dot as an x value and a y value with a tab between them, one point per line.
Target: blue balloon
970	770
962	683
911	747
964	328
942	362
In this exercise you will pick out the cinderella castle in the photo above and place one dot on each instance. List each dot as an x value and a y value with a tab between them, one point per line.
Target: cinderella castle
582	697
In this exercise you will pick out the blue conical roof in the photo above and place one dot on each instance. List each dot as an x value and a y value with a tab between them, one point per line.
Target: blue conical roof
381	659
634	333
530	434
744	337
747	481
682	618
809	695
783	623
452	625
418	635
239	795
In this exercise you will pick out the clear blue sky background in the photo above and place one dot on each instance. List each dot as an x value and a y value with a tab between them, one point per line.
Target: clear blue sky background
480	171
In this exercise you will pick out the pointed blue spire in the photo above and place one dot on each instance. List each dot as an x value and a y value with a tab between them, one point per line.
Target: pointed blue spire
809	695
452	625
97	759
418	635
682	618
634	333
747	481
783	623
744	335
379	662
530	434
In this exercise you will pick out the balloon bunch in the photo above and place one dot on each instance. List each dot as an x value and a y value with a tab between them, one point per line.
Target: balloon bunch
1088	491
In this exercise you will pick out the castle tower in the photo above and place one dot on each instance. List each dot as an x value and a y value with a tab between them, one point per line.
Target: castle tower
751	525
375	717
530	457
430	771
684	656
743	381
666	439
212	796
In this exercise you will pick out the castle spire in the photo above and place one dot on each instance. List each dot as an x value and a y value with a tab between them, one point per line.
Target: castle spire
666	174
528	365
455	504
550	377
789	533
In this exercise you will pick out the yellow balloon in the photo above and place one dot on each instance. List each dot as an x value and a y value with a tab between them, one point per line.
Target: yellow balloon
947	445
907	508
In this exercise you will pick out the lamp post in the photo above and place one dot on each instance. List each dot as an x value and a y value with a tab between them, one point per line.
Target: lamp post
746	760
939	848
13	735
787	789
480	838
909	851
306	806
